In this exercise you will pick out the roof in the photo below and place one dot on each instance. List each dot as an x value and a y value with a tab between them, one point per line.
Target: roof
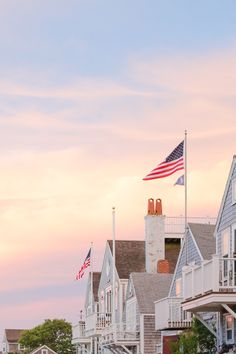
39	349
204	237
130	257
150	288
13	335
96	280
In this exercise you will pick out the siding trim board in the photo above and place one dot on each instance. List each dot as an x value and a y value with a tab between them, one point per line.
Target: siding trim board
229	180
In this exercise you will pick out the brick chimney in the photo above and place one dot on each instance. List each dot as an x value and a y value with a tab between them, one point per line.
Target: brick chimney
154	235
163	266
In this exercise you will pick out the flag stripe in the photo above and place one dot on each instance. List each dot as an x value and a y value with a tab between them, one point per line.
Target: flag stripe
163	175
85	265
173	163
166	168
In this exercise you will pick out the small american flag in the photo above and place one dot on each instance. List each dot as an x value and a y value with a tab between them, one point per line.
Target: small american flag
174	162
85	265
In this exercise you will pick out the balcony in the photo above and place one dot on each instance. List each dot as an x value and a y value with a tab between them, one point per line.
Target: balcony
208	285
169	314
78	334
96	322
120	334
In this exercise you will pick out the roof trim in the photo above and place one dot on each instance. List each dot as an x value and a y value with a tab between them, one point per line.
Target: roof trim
224	195
42	346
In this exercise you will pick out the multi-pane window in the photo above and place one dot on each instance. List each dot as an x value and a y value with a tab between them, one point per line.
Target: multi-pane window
229	328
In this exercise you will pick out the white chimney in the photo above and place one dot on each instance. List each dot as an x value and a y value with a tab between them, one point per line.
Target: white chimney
154	235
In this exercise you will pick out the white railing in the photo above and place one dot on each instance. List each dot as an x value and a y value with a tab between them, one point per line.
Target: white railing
119	333
95	322
216	275
176	224
169	314
78	331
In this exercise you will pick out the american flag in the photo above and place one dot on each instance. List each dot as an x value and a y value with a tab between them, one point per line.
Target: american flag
174	162
85	265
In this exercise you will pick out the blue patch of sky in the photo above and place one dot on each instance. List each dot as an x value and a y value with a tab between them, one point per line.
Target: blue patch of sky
97	37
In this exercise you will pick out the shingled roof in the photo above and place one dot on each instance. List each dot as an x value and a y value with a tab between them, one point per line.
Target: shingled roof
130	257
149	288
96	280
13	335
204	237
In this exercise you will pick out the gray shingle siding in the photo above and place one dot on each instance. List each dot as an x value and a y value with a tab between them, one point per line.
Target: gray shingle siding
228	214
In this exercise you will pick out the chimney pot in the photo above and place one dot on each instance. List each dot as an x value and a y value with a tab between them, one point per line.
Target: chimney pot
158	207
151	206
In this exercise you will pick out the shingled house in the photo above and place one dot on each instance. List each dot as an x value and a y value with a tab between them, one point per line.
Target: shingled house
211	286
10	342
199	246
109	335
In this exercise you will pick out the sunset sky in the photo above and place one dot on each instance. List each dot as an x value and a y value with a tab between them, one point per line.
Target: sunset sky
93	95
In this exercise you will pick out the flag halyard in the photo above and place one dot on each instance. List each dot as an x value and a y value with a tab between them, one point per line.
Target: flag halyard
84	266
174	162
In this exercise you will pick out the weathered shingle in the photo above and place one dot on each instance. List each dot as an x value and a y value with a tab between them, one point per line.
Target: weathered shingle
13	335
204	237
150	288
130	257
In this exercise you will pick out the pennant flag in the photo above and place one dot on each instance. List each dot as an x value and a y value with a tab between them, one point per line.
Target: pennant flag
85	265
180	181
174	162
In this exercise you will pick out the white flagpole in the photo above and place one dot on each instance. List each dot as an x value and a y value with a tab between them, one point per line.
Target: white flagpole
186	194
113	267
91	262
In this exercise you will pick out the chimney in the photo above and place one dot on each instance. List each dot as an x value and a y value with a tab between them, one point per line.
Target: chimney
154	235
163	266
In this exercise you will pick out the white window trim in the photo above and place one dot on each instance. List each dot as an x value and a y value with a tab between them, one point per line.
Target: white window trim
232	340
223	232
234	191
179	283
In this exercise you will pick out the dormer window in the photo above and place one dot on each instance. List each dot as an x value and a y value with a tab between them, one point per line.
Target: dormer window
234	191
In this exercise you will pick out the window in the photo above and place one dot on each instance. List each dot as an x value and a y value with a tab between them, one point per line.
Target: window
178	287
225	235
108	301
234	191
102	301
116	296
131	315
44	351
229	329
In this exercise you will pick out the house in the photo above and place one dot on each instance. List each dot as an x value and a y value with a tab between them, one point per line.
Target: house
211	286
10	342
110	330
170	319
85	334
44	349
143	290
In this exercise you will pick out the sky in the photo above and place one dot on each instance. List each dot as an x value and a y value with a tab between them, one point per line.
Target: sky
93	95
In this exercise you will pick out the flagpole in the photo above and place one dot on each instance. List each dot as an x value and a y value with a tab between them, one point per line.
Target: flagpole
91	262
113	267
185	194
